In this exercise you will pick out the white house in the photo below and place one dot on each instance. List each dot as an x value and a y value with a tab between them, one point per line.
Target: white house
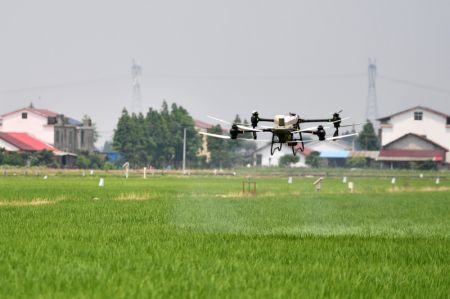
416	129
65	133
262	156
30	120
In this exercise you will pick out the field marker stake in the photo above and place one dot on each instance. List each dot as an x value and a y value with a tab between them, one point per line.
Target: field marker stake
351	187
317	184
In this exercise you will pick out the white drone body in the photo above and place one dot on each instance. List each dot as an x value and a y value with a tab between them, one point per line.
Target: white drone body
282	122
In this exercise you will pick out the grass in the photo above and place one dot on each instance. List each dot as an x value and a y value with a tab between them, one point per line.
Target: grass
172	236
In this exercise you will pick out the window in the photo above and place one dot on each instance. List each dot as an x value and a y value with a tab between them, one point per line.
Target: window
448	121
418	115
24	115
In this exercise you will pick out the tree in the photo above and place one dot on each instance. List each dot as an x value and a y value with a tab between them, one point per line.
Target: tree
125	137
313	159
157	138
219	149
367	138
240	150
356	162
287	160
180	120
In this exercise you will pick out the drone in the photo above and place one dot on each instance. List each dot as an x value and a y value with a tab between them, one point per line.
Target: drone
286	129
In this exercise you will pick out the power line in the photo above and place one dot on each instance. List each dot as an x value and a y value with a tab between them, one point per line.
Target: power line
64	84
179	76
258	77
415	84
226	77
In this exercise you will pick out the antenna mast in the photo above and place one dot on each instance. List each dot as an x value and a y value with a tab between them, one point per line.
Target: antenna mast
136	99
372	105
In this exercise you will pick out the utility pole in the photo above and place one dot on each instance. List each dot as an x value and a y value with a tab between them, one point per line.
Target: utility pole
184	151
372	105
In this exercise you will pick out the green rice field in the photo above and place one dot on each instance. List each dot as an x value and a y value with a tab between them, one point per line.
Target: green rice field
172	236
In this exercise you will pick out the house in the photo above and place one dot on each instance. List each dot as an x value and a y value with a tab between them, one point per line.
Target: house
416	134
65	133
263	157
411	148
23	142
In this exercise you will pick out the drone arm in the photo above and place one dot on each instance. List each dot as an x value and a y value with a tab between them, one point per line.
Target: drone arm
314	120
266	119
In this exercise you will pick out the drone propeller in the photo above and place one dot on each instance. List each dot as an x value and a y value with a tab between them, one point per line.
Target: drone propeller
341	137
337	112
309	129
242	127
215	135
352	125
330	138
338	120
248	129
228	137
221	120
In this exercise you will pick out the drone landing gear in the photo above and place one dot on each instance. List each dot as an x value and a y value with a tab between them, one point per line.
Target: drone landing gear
276	148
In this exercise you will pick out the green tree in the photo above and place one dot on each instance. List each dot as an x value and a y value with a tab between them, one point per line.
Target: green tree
43	158
180	120
287	160
367	138
125	137
356	162
219	149
313	159
240	150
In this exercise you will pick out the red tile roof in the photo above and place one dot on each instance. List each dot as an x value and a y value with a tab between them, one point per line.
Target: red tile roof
42	112
411	155
25	142
202	125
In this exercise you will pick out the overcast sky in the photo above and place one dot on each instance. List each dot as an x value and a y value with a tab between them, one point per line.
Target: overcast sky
224	57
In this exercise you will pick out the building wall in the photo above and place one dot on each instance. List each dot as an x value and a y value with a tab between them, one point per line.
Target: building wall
72	139
434	127
9	147
411	143
35	125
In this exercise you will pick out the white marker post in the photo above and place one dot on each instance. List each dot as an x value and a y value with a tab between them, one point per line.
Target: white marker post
91	172
438	181
290	180
145	173
101	183
126	166
393	181
351	187
344	180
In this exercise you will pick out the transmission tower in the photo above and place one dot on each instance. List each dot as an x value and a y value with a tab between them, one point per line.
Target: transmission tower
136	100
372	106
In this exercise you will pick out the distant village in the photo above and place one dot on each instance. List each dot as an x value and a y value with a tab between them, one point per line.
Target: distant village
416	137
